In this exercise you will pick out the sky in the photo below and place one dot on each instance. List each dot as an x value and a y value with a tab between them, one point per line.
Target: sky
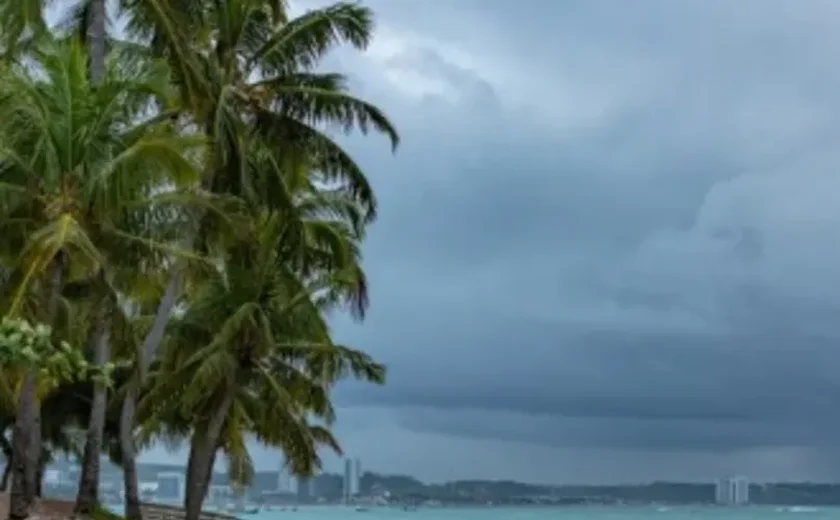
608	245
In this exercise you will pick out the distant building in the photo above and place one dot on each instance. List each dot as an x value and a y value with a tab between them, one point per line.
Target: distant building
148	490
348	475
304	490
218	494
732	491
742	490
170	486
352	478
356	487
285	482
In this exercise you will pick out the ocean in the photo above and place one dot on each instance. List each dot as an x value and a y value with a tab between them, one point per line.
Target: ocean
564	513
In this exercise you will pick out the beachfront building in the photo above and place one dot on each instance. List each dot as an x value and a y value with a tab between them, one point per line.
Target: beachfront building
732	491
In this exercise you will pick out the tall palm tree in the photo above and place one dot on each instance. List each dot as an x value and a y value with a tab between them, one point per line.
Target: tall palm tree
88	492
74	167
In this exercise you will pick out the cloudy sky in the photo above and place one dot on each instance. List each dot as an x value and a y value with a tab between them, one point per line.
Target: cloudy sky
608	246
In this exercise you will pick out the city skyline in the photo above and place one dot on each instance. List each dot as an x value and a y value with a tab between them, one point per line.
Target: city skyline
337	466
159	484
167	468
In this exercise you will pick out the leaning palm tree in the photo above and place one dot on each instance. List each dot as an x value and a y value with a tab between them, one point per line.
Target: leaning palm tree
252	354
76	169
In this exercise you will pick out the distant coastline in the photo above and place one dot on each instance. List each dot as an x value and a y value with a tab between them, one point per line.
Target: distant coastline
399	490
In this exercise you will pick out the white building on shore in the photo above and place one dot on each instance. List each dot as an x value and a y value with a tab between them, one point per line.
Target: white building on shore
732	491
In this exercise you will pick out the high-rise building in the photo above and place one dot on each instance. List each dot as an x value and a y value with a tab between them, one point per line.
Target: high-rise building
348	475
732	491
356	488
722	491
352	478
741	490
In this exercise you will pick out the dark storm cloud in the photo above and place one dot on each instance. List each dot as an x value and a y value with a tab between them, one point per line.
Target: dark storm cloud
614	389
610	226
675	435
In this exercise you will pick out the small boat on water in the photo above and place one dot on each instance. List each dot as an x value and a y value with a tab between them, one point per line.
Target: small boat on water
361	509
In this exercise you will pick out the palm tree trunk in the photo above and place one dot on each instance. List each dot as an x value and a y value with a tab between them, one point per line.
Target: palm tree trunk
6	448
26	434
39	473
87	498
96	40
26	449
129	407
203	448
129	455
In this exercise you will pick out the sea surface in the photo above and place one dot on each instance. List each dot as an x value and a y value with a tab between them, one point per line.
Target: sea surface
564	513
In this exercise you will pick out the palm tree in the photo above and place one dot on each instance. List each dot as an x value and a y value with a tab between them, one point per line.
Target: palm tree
253	354
88	492
75	166
247	77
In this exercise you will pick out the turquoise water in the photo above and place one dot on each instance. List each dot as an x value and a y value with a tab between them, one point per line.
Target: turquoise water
565	513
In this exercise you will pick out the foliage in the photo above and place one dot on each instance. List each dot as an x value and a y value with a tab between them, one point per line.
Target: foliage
202	167
24	346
